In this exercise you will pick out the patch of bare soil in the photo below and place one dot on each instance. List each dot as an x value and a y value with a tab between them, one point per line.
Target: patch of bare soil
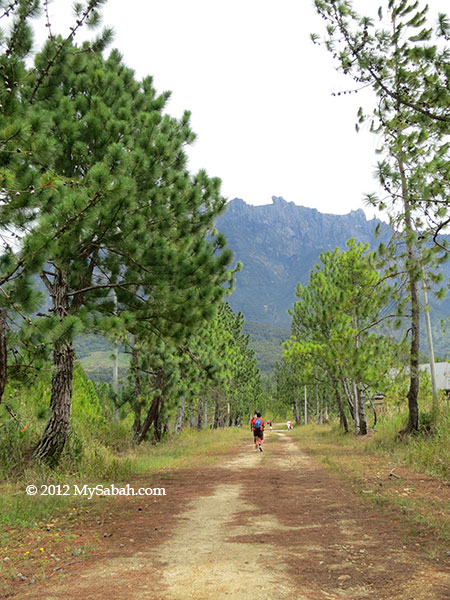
274	525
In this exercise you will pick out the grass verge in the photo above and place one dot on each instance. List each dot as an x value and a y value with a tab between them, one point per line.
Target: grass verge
382	473
37	530
191	449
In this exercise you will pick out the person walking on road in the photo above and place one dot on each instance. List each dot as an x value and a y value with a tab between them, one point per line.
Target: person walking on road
252	420
258	431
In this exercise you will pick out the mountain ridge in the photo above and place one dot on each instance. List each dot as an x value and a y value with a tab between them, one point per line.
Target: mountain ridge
279	244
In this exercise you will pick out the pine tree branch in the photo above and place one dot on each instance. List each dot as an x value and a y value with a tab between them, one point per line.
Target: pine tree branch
46	280
61	46
436	233
103	286
392	94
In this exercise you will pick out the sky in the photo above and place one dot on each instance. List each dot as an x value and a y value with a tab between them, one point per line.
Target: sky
260	94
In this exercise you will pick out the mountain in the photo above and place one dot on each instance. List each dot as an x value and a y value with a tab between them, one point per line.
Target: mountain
279	244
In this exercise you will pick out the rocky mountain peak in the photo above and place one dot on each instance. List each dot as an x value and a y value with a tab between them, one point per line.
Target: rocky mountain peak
279	244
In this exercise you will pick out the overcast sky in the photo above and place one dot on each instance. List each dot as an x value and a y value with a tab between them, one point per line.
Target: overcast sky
259	91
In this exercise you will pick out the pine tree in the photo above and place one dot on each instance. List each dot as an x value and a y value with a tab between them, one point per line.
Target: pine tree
24	149
106	203
333	340
405	65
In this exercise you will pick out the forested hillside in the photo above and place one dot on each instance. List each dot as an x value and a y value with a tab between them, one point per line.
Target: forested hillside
279	244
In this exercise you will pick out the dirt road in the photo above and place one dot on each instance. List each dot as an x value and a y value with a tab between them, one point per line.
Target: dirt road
273	525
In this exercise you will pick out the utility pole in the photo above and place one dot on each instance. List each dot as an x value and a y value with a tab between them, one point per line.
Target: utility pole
355	388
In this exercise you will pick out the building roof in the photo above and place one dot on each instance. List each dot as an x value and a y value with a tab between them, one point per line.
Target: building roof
442	374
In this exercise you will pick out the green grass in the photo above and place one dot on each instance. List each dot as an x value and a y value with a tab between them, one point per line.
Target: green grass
97	451
364	462
192	448
102	466
429	454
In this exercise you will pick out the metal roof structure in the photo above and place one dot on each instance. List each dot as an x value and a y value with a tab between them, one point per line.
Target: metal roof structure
442	374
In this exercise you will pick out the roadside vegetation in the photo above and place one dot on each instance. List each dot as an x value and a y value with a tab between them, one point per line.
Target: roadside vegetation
408	478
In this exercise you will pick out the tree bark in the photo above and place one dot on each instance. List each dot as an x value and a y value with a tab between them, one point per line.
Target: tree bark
296	413
342	417
3	353
157	425
180	416
150	418
349	397
192	415
137	391
361	412
201	400
413	392
137	419
217	413
54	438
375	418
153	411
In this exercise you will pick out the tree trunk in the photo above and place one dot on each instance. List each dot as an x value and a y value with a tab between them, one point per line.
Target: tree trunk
54	438
137	419
192	416
216	423
157	425
342	417
361	412
306	408
180	416
150	418
153	411
3	354
349	397
413	392
201	401
375	418
137	390
296	413
116	371
356	404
